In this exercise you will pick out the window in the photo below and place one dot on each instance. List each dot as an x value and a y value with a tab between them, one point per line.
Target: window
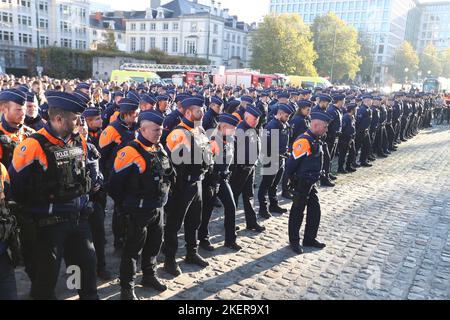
142	47
152	26
133	44
166	26
191	47
43	41
133	26
214	47
175	45
152	43
43	23
6	36
233	38
165	44
175	26
142	26
216	29
43	6
66	43
6	17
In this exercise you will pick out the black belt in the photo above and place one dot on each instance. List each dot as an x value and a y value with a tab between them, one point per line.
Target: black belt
57	219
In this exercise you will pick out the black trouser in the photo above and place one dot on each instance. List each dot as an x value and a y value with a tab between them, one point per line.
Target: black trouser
185	205
363	142
241	182
119	226
269	185
225	195
396	125
28	242
390	134
332	147
72	241
345	145
8	288
144	238
403	127
305	195
326	160
380	139
97	223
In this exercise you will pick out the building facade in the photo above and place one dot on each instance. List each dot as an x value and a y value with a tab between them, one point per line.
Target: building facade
387	22
26	23
187	28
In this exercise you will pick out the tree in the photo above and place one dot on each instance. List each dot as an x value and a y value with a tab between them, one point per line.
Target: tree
109	44
282	44
336	43
445	58
430	61
406	62
365	40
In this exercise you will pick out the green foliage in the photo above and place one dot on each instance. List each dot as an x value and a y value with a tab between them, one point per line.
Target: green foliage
406	62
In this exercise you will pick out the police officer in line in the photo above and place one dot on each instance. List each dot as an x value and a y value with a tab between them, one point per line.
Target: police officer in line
374	126
397	112
381	136
299	123
269	183
32	117
142	189
106	99
363	122
405	119
210	120
305	166
147	102
97	194
8	231
112	108
245	101
390	131
113	138
49	178
162	104
216	183
245	160
174	118
191	153
346	146
335	128
322	106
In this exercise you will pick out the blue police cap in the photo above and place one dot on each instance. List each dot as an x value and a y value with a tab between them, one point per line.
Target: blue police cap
325	97
247	99
24	88
228	118
82	96
377	98
13	95
216	100
31	97
192	101
253	111
320	116
133	95
305	91
171	91
180	97
338	97
148	98
83	85
366	96
283	94
118	94
162	97
305	104
285	108
151	115
234	103
264	94
65	101
351	106
91	112
127	105
105	91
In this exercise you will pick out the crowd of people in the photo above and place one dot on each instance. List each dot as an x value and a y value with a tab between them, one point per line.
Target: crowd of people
167	156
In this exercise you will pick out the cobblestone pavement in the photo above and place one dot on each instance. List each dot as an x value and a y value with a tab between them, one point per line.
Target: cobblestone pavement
387	235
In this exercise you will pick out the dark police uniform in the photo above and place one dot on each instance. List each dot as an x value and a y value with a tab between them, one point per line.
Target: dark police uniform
334	132
50	179
363	143
347	143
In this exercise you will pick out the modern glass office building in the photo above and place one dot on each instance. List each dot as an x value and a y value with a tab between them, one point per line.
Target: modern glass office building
389	22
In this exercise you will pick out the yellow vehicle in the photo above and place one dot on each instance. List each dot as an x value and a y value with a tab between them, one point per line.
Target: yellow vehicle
134	76
307	82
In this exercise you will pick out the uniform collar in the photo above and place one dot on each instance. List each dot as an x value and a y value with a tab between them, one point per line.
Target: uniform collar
312	135
52	133
144	141
8	127
188	123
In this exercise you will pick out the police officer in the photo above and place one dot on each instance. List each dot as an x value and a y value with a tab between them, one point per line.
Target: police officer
247	148
405	119
8	224
112	108
106	98
50	179
174	118
374	126
216	183
381	136
335	128
263	106
211	116
162	104
390	131
276	128
147	102
305	166
363	122
140	182
32	117
397	113
191	154
245	101
347	141
12	128
113	138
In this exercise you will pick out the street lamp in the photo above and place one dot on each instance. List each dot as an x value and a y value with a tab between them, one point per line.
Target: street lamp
406	74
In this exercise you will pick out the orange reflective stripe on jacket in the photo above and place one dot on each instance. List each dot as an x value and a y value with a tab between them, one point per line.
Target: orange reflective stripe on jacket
108	136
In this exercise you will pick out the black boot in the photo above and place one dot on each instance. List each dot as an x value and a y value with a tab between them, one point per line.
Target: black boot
287	195
128	294
332	177
277	209
153	282
296	248
342	171
264	214
172	267
194	258
256	227
326	183
206	245
233	246
314	244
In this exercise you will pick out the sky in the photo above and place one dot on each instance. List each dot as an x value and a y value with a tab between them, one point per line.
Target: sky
246	10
